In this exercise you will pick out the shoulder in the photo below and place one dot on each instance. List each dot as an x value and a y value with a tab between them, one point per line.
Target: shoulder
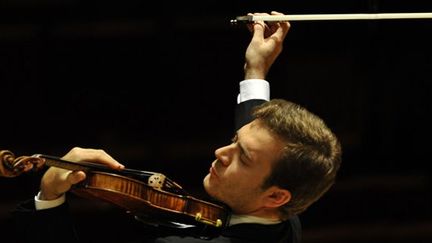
188	239
296	228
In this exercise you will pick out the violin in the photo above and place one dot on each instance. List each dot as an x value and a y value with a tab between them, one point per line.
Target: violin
151	197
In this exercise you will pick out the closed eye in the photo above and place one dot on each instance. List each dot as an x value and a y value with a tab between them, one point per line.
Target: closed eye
244	155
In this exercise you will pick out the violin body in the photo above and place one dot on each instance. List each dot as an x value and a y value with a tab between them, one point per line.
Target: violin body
149	204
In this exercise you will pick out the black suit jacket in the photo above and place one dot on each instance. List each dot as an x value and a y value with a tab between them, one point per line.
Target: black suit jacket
56	224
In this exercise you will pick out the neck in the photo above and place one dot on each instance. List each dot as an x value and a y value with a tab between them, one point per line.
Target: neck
267	213
246	218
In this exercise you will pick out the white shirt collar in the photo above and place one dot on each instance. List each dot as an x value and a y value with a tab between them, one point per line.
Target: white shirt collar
238	219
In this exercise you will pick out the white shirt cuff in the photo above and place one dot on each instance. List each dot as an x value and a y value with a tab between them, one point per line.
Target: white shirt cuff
254	89
44	204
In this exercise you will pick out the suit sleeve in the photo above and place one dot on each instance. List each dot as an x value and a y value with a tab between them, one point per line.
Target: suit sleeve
253	92
49	225
243	112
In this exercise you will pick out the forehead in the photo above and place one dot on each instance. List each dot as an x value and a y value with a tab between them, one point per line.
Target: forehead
260	142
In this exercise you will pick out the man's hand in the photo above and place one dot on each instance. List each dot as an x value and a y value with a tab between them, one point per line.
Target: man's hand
265	46
57	181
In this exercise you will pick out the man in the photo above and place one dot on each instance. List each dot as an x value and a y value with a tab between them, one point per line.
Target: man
281	160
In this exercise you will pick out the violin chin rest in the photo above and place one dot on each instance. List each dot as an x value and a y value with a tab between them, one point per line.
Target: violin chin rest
166	223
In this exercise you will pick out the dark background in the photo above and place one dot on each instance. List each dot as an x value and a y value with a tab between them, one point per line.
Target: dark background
154	85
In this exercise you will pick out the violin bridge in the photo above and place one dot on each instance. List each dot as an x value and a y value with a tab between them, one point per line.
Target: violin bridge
156	180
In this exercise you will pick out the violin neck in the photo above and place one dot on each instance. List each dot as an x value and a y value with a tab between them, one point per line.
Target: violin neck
58	162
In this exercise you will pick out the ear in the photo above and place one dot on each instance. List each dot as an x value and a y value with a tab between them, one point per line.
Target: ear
277	197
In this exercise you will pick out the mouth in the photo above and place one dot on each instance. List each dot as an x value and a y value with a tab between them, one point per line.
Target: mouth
212	170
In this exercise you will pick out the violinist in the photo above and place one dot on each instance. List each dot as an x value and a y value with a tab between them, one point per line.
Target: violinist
282	158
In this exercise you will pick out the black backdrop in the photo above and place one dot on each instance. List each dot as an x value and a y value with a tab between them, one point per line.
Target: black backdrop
154	85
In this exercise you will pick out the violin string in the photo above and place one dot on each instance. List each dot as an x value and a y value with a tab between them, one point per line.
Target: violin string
138	172
168	183
173	185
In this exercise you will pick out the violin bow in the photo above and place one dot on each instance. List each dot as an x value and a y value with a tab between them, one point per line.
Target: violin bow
315	17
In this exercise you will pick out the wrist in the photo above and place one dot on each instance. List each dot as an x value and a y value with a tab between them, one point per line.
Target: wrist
41	204
254	74
45	196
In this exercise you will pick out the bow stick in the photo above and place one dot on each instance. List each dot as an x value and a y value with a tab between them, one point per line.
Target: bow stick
305	17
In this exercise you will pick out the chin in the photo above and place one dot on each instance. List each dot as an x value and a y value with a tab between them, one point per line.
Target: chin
206	183
208	188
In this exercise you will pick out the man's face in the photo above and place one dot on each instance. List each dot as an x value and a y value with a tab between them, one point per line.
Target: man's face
240	168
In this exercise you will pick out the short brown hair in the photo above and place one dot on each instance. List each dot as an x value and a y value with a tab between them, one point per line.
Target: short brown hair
311	156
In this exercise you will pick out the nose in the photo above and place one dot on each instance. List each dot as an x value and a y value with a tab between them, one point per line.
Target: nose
225	154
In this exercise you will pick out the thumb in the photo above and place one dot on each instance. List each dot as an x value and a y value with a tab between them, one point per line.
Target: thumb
73	177
57	181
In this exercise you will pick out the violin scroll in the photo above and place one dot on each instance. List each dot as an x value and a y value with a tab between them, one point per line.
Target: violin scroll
11	166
